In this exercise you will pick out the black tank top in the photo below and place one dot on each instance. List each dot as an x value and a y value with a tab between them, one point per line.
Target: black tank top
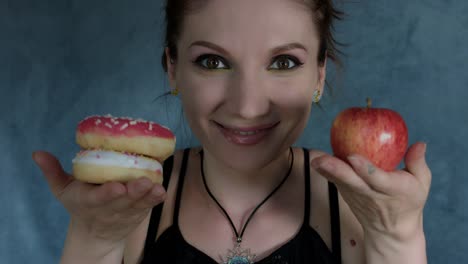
306	247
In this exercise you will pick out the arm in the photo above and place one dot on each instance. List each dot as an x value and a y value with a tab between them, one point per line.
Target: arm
388	205
387	249
135	243
370	248
102	216
81	247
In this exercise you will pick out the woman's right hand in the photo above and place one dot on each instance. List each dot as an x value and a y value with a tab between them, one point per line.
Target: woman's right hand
107	212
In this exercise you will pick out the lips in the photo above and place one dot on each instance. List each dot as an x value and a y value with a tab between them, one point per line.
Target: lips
246	135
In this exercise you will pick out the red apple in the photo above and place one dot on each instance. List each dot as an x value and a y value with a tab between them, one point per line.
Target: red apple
378	134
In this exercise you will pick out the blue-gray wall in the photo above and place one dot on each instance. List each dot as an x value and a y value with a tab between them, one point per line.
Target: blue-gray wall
63	60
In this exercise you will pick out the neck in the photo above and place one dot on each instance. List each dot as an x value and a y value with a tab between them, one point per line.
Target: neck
242	189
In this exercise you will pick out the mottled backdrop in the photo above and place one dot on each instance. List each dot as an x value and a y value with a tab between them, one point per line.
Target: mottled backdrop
63	60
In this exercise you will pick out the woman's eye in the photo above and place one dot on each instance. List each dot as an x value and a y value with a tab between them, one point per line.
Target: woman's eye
285	62
211	62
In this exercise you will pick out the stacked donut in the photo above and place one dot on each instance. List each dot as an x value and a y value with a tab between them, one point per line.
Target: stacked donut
121	149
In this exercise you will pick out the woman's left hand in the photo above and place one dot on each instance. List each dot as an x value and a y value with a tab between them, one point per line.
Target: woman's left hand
385	203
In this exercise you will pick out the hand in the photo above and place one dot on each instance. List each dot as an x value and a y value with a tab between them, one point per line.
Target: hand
105	212
385	203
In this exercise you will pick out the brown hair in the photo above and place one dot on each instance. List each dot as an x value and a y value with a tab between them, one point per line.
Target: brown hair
175	11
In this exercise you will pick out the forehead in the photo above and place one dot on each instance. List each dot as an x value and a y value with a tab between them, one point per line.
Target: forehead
253	23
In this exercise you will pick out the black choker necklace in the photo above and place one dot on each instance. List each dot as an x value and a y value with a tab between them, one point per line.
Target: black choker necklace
239	255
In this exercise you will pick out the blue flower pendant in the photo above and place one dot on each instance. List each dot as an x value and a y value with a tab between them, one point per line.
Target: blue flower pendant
239	255
238	260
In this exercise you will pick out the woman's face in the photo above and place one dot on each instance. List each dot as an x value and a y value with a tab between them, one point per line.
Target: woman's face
246	71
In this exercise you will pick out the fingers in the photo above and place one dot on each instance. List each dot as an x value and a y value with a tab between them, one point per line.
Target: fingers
153	197
105	193
56	177
338	172
144	194
376	178
415	162
361	174
358	175
138	188
135	195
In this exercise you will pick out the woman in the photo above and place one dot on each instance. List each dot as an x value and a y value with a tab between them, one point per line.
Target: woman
248	73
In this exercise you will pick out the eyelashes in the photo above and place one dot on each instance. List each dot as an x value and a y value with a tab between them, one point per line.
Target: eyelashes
213	62
283	62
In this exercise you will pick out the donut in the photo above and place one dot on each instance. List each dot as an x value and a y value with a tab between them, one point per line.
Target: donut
127	135
121	149
100	166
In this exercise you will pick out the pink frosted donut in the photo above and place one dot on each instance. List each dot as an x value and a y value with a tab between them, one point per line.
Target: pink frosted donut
121	149
126	135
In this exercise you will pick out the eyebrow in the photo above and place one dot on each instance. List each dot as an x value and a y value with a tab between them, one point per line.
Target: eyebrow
209	45
289	46
279	49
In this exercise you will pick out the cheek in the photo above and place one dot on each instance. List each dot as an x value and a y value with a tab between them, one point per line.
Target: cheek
294	100
294	94
200	97
295	110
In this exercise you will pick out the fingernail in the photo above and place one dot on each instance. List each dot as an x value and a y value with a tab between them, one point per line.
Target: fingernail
120	191
424	148
315	164
321	166
158	195
158	191
327	166
355	161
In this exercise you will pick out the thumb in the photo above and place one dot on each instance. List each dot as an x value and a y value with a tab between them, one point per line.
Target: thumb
415	161
56	177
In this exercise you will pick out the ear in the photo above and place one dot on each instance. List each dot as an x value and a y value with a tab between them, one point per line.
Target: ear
322	75
171	69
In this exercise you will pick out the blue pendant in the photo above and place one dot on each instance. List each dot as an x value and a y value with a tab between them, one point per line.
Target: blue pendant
239	256
238	260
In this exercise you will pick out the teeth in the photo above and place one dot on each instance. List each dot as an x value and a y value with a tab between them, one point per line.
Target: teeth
245	133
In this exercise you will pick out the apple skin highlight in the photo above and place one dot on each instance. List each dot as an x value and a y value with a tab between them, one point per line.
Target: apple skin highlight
379	134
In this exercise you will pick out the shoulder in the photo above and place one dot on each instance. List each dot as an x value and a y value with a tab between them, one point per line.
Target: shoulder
135	242
171	190
173	164
352	236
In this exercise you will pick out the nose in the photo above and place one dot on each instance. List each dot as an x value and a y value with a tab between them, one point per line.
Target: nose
248	96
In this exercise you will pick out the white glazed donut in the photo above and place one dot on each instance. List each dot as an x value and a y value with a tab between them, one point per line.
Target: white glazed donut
99	166
121	149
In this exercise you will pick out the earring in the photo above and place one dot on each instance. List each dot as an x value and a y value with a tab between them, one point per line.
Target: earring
316	96
175	92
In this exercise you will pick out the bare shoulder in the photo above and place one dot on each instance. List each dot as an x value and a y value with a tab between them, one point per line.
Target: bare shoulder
135	242
352	237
